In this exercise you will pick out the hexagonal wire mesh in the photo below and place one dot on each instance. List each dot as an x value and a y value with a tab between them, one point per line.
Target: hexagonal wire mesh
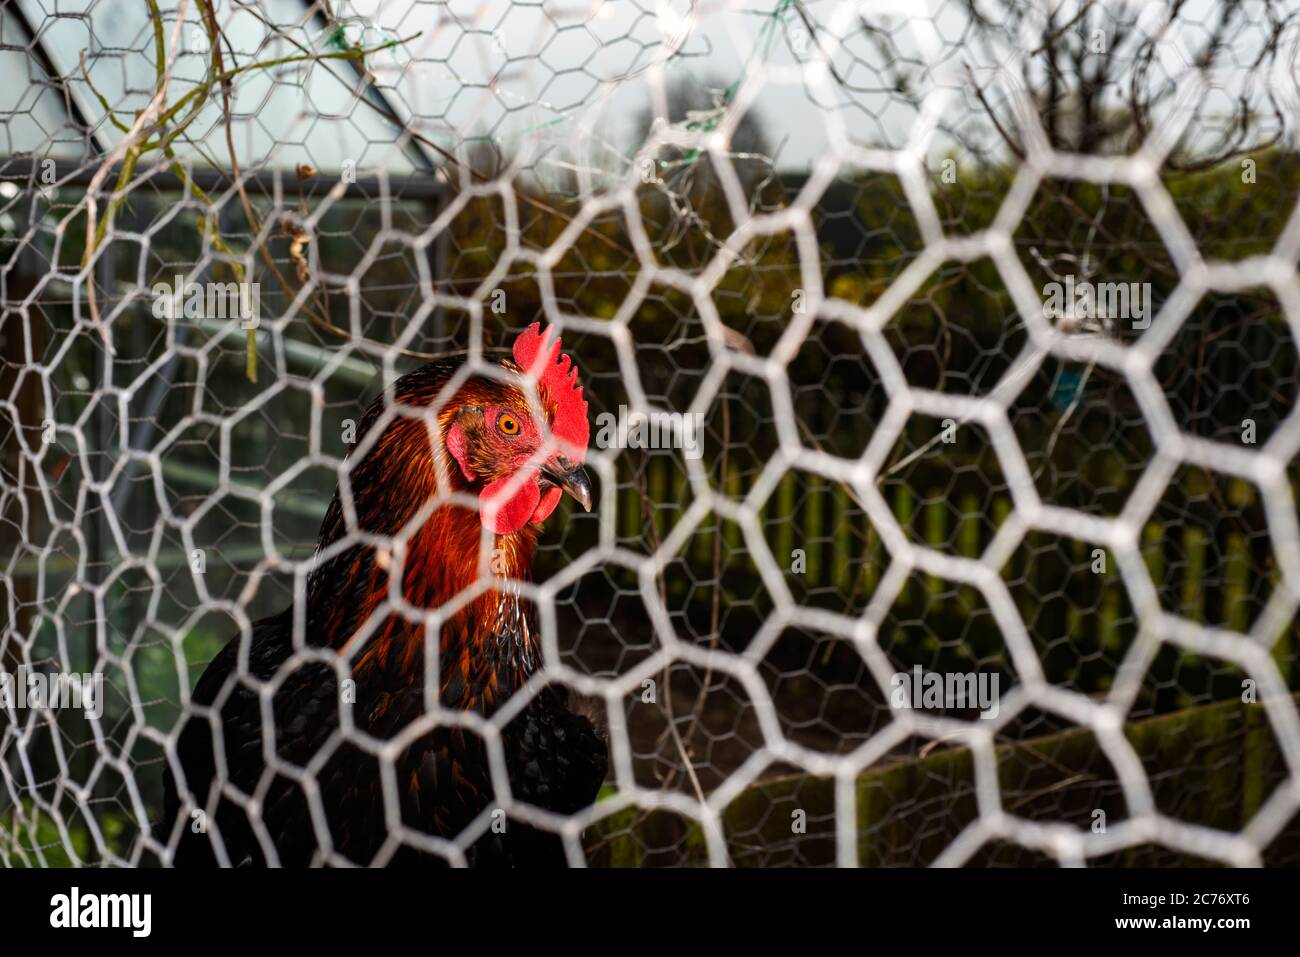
987	311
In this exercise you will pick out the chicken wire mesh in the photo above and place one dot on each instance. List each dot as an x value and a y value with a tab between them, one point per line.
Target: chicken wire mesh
848	240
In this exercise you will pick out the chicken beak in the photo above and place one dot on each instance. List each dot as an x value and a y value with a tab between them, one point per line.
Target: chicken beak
571	479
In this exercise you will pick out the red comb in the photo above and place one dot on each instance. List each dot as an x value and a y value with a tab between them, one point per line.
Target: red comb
557	378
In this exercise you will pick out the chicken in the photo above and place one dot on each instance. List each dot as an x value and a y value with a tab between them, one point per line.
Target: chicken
264	776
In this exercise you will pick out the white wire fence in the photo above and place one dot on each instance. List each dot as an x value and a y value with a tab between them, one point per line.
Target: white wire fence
986	312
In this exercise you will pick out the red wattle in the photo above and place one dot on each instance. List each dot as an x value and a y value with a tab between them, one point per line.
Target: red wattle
513	509
550	499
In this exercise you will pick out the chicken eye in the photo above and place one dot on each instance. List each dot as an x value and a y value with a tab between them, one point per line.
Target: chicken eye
508	425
